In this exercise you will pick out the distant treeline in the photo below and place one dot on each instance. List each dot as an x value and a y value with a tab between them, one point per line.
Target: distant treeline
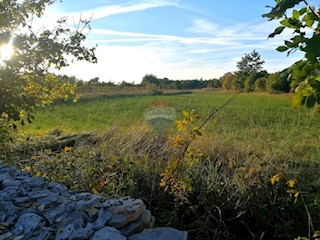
149	82
247	78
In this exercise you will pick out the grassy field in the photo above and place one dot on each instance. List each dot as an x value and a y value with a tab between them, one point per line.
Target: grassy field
230	195
260	123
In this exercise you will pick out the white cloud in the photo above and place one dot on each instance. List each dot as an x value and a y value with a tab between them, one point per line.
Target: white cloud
210	51
109	10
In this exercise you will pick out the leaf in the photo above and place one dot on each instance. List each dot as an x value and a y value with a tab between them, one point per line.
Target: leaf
311	101
282	49
303	11
283	6
278	30
27	168
315	83
291	183
295	14
297	101
312	48
67	149
275	179
289	44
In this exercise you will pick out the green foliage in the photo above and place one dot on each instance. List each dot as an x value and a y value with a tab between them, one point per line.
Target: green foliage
249	83
260	84
305	26
248	67
25	79
250	63
227	80
176	176
279	82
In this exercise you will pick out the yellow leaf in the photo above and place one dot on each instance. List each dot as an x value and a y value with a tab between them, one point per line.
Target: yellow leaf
291	183
94	191
185	114
67	149
38	174
27	168
275	179
40	134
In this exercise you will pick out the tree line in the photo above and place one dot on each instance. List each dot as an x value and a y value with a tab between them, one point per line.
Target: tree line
250	77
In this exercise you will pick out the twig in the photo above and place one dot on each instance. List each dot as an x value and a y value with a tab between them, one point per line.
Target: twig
311	9
204	123
217	110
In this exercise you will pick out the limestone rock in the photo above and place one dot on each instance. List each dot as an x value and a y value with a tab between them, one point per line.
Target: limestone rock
33	209
108	233
161	233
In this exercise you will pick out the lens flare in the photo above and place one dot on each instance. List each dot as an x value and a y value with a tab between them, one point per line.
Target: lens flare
6	51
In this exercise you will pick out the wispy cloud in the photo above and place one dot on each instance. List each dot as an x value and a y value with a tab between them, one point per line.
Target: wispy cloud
110	10
205	49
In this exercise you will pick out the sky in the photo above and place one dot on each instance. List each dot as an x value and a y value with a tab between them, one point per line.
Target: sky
176	39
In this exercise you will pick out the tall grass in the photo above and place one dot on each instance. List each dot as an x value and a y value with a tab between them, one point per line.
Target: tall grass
260	123
253	138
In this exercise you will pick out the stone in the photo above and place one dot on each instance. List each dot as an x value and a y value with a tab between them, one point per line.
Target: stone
52	214
104	217
144	221
27	223
130	210
161	233
108	233
64	232
82	233
5	236
33	209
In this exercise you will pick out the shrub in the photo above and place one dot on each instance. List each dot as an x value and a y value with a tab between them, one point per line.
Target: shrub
260	84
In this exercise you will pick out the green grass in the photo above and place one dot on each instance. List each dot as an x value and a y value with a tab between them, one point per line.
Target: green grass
264	124
250	140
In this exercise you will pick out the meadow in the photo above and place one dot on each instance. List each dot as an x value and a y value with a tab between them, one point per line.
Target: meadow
251	149
262	123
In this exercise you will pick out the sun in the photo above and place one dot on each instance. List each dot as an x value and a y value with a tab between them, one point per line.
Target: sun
6	51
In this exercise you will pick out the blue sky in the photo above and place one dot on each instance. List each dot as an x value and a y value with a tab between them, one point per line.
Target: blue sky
177	39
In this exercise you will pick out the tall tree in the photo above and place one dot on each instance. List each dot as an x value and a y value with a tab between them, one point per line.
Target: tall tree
304	22
250	64
28	55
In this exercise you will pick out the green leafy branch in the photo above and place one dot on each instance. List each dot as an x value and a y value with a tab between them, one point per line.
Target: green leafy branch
305	24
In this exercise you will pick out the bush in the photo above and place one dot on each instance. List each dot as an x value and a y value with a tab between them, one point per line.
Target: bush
278	82
260	84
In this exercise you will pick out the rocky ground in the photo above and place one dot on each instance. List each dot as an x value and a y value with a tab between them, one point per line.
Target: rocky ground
32	208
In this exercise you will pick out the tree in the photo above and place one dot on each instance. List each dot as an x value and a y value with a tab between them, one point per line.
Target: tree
249	83
150	79
25	78
305	26
250	64
260	84
227	80
278	82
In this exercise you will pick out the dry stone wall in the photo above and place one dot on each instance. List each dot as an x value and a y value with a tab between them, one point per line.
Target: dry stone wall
34	209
